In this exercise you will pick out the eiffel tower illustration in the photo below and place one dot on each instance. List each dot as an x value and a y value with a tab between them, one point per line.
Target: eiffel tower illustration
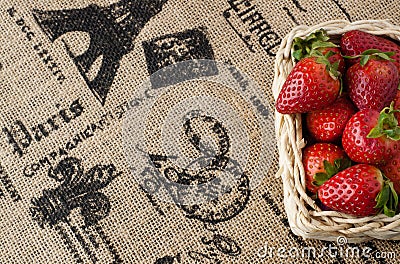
112	30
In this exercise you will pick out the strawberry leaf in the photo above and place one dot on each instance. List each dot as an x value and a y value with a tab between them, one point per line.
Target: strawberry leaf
383	197
387	124
305	47
320	35
297	54
391	207
364	59
320	178
343	164
315	53
385	56
335	66
313	46
330	169
375	133
388	212
338	162
331	68
387	199
323	44
393	134
372	54
394	195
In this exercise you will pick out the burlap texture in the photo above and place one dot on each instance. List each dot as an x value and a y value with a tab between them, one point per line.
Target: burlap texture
54	118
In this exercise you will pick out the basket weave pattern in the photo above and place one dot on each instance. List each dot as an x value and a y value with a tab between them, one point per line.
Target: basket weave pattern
305	217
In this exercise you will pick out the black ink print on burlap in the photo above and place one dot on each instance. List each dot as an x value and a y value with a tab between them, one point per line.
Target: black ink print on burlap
9	187
87	244
251	26
201	163
225	200
290	14
196	151
42	53
21	136
167	50
217	245
169	260
342	9
111	29
78	189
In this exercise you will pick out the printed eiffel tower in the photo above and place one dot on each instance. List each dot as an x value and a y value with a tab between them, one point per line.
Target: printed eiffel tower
111	29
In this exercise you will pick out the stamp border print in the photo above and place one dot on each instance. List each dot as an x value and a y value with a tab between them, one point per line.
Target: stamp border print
169	49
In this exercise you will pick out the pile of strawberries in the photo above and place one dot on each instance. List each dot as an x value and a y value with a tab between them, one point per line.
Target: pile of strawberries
349	98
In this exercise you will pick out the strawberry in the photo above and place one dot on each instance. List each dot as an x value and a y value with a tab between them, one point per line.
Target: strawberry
318	44
372	137
392	171
373	82
321	161
314	81
312	84
327	125
360	190
355	42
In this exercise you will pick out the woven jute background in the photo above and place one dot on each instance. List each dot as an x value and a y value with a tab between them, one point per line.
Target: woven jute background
75	112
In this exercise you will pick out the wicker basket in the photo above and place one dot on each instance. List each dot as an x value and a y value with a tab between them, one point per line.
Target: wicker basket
305	217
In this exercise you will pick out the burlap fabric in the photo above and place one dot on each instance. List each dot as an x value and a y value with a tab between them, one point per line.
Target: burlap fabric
75	112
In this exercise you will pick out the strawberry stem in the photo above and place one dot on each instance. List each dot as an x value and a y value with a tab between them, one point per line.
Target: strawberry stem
372	54
387	124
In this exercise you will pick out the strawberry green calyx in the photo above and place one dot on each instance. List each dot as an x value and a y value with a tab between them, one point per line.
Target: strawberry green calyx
317	45
331	170
387	199
372	54
304	47
331	68
387	124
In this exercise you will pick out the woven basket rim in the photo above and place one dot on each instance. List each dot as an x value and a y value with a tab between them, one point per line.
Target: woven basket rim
306	219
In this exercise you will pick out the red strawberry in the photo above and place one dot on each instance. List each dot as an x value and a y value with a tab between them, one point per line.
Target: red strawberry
360	191
372	137
310	86
321	161
327	125
373	82
356	42
392	170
